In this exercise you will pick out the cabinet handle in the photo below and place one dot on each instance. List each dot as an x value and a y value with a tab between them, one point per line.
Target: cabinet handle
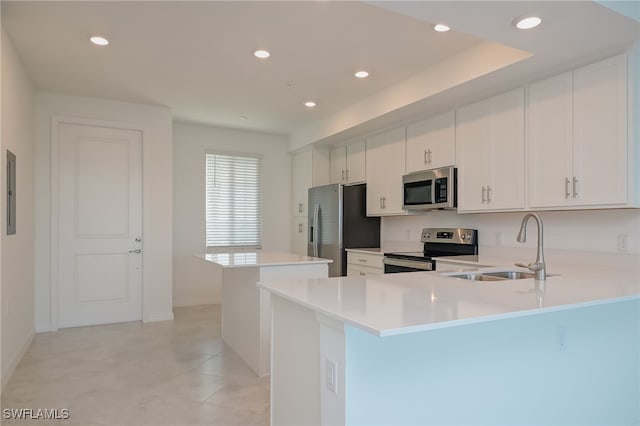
381	202
429	156
488	194
362	260
300	228
484	190
575	187
566	188
362	273
384	202
342	174
299	207
425	156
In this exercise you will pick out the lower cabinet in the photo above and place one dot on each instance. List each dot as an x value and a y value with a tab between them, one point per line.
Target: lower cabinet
364	263
299	235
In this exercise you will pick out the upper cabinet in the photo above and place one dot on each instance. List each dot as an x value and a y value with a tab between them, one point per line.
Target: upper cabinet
308	169
384	169
600	132
577	137
431	143
490	154
348	163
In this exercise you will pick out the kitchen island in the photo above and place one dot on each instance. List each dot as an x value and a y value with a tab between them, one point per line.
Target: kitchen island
246	309
424	348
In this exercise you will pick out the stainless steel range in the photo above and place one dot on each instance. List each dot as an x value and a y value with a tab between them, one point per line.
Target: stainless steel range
437	242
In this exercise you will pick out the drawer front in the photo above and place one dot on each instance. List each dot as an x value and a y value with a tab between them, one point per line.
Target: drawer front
365	259
359	270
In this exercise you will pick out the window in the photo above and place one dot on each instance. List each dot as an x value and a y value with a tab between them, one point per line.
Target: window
234	201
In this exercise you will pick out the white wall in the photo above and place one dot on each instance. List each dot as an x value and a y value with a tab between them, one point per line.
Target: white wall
18	112
155	123
196	282
590	230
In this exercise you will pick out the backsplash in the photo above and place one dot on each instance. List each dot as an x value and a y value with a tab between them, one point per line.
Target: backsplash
588	230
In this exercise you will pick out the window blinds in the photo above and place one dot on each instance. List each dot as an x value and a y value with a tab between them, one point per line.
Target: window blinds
234	201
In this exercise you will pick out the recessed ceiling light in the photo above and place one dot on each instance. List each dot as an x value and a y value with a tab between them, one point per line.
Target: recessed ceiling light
362	74
309	104
527	22
441	28
262	54
100	41
243	117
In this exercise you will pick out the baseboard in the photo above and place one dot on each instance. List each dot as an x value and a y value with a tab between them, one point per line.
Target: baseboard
6	375
195	302
168	316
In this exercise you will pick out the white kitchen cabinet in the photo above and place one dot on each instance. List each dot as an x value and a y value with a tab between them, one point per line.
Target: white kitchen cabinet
490	151
385	167
299	235
309	168
431	143
364	263
577	137
550	141
348	163
600	132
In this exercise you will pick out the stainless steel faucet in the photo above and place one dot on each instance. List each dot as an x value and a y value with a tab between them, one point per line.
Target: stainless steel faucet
539	267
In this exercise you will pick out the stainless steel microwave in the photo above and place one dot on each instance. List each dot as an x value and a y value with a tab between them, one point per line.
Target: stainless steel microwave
430	189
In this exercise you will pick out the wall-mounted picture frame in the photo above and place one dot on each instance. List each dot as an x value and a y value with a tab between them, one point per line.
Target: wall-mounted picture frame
11	193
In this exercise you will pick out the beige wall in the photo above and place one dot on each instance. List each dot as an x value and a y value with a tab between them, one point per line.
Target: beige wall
196	282
155	123
17	271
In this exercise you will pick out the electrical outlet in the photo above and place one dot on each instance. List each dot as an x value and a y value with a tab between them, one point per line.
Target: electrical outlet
623	243
331	375
561	338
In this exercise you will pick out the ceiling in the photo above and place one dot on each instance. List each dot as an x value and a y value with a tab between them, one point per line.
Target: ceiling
197	57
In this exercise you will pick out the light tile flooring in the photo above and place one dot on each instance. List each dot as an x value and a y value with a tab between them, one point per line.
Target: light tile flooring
167	373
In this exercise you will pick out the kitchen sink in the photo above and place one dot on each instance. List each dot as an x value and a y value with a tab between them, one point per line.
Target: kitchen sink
478	277
492	276
511	275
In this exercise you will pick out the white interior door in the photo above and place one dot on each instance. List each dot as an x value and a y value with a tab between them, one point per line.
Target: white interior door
100	225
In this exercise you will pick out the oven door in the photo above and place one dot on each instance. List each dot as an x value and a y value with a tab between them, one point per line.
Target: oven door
393	265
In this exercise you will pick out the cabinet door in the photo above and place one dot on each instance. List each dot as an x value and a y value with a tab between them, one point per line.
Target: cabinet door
301	181
394	161
431	143
600	132
299	236
338	165
506	165
356	171
550	141
473	148
376	173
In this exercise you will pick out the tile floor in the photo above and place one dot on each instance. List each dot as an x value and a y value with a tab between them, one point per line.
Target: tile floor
167	373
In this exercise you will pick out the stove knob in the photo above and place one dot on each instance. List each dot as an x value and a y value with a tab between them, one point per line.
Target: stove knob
465	236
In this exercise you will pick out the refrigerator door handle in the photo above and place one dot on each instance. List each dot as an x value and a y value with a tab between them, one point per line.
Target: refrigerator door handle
314	230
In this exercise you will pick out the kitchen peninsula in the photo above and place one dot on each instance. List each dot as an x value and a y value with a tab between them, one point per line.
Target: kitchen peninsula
427	348
246	309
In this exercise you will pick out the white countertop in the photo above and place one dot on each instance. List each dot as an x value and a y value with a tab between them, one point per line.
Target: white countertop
409	302
259	258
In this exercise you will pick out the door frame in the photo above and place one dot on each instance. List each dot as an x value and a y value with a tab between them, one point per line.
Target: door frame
54	225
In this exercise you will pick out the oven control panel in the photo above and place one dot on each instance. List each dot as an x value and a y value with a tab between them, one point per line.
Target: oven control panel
449	235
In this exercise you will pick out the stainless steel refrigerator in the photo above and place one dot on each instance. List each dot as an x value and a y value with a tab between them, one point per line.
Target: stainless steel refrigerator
338	220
